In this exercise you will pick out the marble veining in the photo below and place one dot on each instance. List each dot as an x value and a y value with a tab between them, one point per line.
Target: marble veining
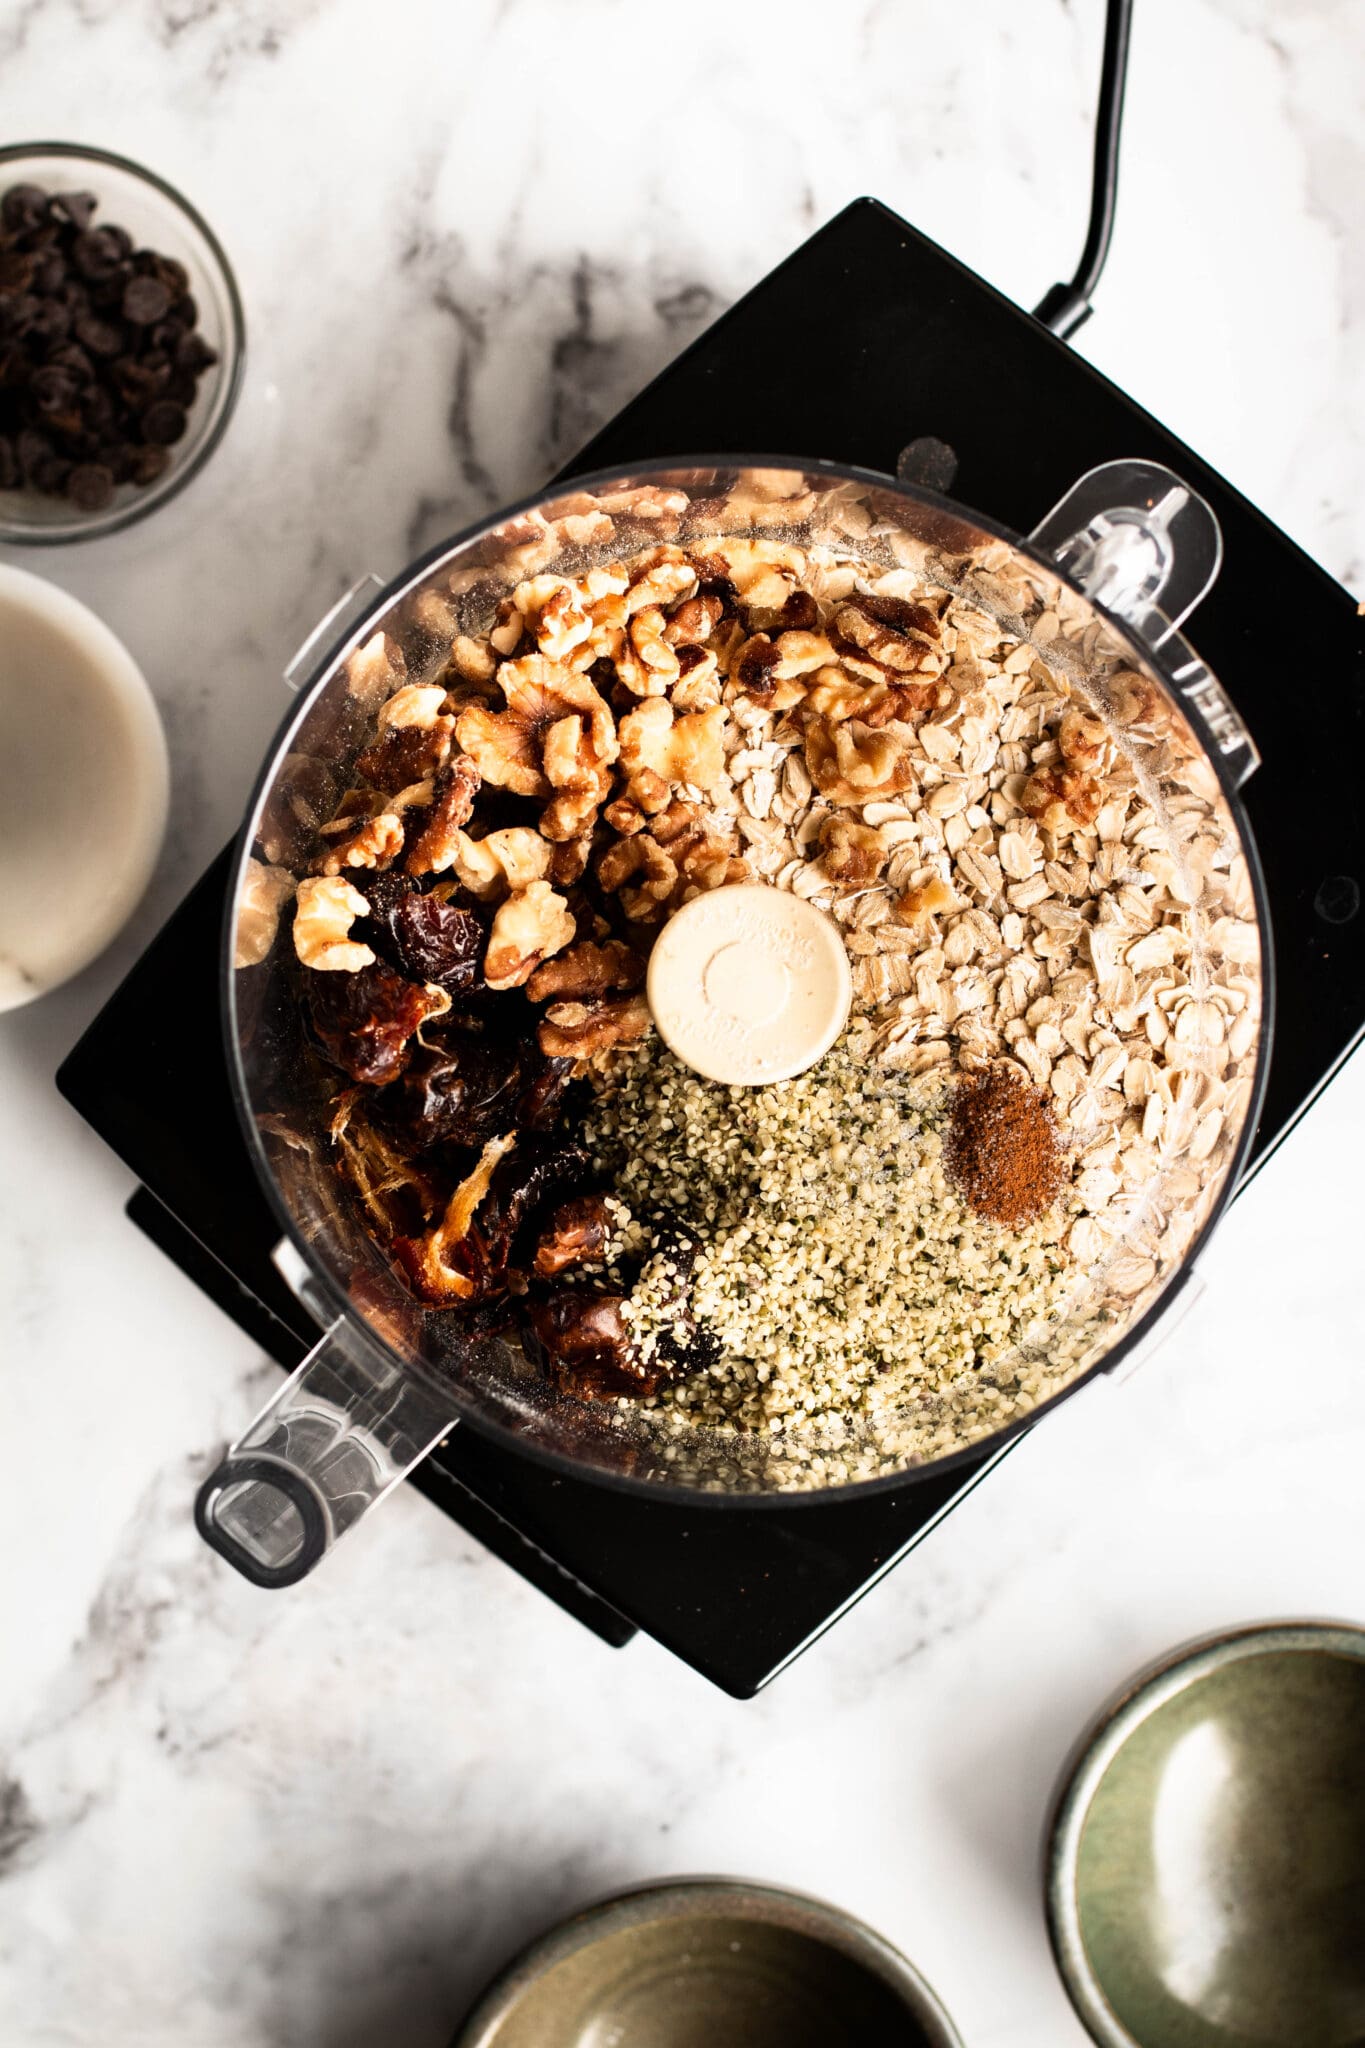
464	236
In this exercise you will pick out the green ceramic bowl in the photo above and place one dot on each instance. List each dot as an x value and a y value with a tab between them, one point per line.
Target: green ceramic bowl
706	1963
1206	1869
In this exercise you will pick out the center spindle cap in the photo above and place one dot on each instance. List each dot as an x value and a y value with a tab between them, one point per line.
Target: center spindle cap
749	984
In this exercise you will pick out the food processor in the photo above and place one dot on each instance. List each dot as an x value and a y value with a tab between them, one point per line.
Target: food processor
1099	591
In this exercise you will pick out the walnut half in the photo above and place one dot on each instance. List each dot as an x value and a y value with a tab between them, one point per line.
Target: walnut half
327	908
265	891
578	1030
532	924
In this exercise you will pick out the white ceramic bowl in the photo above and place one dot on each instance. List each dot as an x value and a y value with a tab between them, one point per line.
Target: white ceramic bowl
84	786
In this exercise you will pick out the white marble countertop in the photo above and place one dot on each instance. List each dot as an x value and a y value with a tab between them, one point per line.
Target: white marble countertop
465	235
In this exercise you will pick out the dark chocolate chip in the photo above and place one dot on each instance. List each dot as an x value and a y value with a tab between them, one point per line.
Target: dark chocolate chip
145	300
17	311
101	337
96	253
51	473
193	353
53	388
77	207
147	463
49	272
50	324
71	356
164	422
9	465
23	207
16	270
32	448
90	486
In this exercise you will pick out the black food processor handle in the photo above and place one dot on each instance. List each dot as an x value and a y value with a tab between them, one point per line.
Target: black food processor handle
341	1432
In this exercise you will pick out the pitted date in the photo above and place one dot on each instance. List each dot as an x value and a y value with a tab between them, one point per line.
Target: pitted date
582	1345
364	1022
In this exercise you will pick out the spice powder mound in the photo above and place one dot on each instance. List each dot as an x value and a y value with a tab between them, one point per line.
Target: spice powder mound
1001	1147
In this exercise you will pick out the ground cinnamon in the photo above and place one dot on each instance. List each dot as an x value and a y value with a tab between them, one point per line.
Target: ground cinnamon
1002	1148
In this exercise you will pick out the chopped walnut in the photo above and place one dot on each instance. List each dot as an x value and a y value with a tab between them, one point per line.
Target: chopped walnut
587	971
405	754
373	670
887	633
855	762
1082	739
931	899
532	924
625	816
579	775
638	860
416	704
506	746
693	621
1060	798
327	908
798	653
475	660
568	860
645	662
754	668
660	751
378	842
1134	698
705	854
492	867
263	895
850	853
659	578
578	1030
435	847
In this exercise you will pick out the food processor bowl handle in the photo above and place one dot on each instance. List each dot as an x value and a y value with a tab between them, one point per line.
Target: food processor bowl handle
1147	547
340	1433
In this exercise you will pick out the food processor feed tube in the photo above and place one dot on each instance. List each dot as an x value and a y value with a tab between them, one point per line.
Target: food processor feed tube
388	1378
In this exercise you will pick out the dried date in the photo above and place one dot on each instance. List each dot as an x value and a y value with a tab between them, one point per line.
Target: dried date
364	1022
581	1343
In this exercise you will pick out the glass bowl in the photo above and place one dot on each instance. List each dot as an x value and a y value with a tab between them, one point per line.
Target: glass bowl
156	217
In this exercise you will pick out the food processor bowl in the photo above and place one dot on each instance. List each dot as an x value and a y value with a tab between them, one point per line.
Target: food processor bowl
1097	594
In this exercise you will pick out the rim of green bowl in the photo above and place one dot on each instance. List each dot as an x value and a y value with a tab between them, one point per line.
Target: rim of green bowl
1106	1735
679	1898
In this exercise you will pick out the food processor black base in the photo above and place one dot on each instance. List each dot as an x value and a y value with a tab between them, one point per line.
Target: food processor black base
868	337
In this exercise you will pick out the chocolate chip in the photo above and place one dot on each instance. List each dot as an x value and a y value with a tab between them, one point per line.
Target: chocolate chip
51	323
163	422
49	272
193	353
51	473
52	387
148	463
16	270
23	207
101	337
32	448
77	207
144	301
96	254
9	465
90	486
